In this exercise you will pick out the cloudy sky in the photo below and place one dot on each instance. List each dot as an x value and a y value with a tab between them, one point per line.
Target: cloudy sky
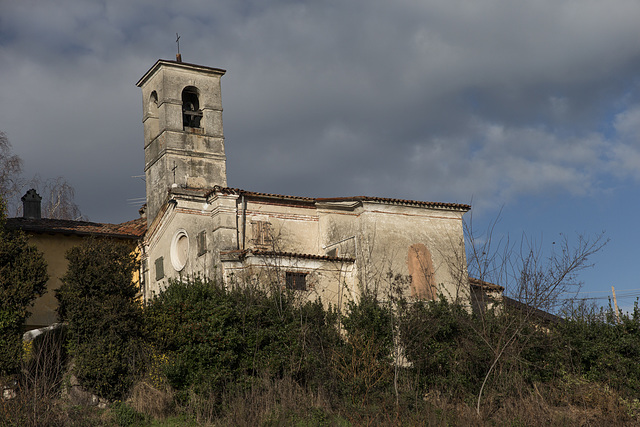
528	108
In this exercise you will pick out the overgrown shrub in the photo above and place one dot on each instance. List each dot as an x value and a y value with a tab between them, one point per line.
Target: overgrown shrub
363	361
217	339
604	348
370	319
98	299
23	277
440	343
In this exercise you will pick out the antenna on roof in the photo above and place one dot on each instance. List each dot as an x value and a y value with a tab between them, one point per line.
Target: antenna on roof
178	56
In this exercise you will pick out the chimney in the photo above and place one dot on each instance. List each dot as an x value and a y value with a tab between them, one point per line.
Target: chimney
31	205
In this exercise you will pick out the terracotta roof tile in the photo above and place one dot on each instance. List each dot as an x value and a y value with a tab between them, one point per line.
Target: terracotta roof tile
477	283
396	202
127	230
238	191
258	252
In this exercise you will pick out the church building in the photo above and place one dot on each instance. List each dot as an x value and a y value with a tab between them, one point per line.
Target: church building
327	247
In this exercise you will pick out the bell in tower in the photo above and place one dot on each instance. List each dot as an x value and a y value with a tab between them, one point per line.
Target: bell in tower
191	112
183	137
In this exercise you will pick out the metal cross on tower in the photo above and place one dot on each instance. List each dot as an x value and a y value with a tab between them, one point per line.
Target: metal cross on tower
178	56
174	173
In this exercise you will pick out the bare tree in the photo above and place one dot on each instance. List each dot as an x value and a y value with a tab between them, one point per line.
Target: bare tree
10	171
57	198
536	279
57	193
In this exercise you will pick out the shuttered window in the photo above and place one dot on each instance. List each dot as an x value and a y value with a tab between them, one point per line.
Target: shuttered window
201	239
262	234
159	268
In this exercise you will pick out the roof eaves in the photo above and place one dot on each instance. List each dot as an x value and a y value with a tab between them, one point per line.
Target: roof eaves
177	64
477	283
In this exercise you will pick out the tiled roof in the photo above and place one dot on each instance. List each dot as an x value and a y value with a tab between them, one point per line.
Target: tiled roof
127	230
258	252
227	190
477	283
396	202
240	192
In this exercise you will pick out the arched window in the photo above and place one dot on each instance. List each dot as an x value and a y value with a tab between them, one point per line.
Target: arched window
152	105
191	112
153	102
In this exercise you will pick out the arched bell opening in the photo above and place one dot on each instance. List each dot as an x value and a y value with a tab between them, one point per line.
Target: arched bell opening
152	106
191	112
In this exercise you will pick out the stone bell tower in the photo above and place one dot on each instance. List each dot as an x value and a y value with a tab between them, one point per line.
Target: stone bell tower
183	138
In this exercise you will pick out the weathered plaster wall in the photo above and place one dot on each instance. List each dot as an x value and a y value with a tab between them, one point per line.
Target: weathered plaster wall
192	157
190	216
292	228
389	234
420	247
331	280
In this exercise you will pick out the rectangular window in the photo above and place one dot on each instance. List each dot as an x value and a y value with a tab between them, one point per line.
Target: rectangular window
296	281
159	268
202	243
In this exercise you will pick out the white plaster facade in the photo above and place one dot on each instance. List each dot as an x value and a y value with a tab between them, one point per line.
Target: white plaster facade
331	247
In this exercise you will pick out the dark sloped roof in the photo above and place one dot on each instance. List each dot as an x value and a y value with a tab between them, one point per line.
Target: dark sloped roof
127	230
531	311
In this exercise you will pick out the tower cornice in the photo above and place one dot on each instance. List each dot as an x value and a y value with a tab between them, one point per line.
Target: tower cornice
179	65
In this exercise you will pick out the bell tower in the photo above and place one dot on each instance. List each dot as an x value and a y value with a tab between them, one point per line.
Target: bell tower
183	138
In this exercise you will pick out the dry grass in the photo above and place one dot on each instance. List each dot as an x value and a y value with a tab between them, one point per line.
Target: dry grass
272	402
276	402
150	401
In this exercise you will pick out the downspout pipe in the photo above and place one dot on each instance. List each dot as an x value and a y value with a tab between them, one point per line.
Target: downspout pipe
244	219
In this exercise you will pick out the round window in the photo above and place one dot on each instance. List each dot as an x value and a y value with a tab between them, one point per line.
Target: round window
179	250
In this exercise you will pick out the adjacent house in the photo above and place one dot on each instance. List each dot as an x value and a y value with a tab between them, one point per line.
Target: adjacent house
53	237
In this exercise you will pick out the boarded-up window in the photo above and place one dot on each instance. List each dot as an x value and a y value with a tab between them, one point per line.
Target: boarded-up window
423	284
201	239
296	281
159	268
262	233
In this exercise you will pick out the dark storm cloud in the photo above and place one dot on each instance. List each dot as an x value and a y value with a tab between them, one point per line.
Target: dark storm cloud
444	100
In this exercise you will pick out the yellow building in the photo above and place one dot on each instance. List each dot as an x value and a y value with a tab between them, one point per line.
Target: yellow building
54	237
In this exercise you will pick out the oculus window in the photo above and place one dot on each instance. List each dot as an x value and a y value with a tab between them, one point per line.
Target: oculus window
179	250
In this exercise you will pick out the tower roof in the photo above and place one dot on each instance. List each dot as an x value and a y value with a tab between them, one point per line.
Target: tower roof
176	64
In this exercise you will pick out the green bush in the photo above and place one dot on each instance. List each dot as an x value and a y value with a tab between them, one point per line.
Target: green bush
126	416
98	299
23	277
369	319
444	349
217	339
604	349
